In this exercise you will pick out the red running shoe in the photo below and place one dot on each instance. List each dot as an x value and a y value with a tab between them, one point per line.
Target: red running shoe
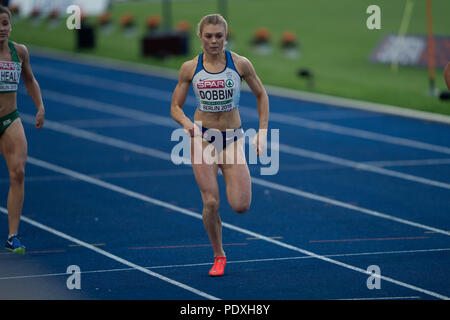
218	267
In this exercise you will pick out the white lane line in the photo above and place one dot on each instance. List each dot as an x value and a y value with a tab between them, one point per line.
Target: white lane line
341	204
408	163
112	175
358	133
109	108
166	96
165	156
171	74
92	136
230	262
335	114
360	166
348	103
384	298
112	256
166	121
108	84
139	196
104	123
177	172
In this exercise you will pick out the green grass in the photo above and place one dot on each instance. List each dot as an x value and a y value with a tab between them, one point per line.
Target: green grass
335	44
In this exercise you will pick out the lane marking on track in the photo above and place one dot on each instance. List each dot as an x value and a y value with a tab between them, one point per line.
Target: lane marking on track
169	122
279	187
367	239
112	256
166	96
160	203
171	74
187	265
185	246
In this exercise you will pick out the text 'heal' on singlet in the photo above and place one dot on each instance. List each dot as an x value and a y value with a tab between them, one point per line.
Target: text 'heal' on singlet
10	72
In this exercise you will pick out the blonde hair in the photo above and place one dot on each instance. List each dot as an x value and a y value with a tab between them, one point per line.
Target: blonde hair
212	19
6	10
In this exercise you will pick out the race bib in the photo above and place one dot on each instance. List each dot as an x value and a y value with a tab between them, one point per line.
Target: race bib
9	75
216	95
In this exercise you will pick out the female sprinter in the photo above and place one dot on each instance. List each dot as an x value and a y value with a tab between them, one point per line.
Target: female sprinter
14	61
216	78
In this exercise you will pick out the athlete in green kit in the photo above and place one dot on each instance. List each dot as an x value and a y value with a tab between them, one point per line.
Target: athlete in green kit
15	62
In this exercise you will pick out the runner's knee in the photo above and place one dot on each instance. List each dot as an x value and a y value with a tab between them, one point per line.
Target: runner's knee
241	207
211	204
17	174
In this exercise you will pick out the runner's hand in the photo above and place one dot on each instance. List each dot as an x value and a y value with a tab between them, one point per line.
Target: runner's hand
40	115
259	141
192	130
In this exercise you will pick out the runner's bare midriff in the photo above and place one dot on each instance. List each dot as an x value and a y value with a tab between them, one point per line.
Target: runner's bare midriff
8	103
219	120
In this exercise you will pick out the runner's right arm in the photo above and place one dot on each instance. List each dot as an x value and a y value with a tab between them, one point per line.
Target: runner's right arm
179	97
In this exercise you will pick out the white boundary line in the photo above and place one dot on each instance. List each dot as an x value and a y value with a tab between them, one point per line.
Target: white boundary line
358	104
360	166
407	163
228	262
276	117
384	298
139	196
352	132
341	204
112	256
166	156
166	96
141	68
168	122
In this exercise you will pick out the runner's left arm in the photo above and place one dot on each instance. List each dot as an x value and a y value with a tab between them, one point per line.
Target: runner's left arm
34	91
262	100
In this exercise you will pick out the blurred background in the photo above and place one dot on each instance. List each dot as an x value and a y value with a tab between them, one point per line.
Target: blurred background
317	46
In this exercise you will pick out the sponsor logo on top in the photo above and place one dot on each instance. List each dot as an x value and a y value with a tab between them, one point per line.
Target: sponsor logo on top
7	66
229	83
211	84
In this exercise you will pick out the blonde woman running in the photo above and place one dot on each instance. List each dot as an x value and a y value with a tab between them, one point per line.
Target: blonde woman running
216	76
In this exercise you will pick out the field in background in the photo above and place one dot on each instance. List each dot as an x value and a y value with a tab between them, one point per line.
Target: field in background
335	44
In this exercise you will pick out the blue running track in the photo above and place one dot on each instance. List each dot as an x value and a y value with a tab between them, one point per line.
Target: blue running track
354	189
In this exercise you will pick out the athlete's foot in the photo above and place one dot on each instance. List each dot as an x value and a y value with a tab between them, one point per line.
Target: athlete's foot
218	267
13	244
